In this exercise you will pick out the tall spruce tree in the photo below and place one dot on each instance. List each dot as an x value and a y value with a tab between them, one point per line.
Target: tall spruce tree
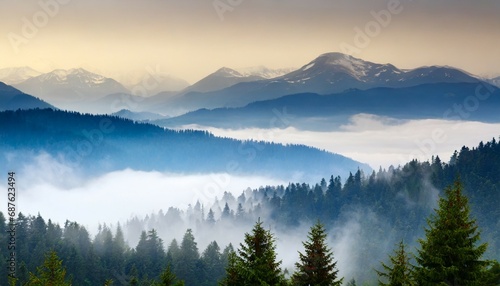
50	273
255	261
187	266
399	272
168	278
450	254
316	266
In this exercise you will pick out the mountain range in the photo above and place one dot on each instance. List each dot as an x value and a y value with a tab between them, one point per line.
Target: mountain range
329	73
69	88
312	111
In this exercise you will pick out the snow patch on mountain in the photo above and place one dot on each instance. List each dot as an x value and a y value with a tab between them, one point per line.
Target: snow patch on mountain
308	66
227	72
263	72
494	81
79	75
356	67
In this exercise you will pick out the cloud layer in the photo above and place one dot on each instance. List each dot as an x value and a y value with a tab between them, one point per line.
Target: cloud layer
381	141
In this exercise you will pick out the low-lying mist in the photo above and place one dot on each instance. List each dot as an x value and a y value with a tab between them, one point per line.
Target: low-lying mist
58	192
378	141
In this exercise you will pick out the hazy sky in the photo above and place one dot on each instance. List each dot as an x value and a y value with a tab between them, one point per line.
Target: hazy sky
191	38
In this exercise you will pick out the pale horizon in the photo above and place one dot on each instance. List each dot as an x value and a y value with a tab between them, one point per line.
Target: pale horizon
191	39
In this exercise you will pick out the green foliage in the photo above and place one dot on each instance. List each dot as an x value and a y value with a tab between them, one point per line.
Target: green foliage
316	266
491	276
212	263
51	273
168	278
255	262
187	264
399	272
450	254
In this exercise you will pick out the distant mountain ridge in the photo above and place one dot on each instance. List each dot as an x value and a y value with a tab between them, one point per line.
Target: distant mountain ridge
222	78
138	116
113	143
65	88
329	112
17	75
14	99
329	73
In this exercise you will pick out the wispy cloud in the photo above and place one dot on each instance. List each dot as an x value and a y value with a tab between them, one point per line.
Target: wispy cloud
56	191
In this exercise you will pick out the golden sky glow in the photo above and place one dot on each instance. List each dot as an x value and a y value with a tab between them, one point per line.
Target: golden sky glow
190	39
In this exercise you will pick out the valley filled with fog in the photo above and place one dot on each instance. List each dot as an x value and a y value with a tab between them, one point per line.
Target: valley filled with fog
378	141
136	199
118	195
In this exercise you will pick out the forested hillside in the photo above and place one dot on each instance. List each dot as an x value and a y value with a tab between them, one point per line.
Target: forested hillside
385	207
97	144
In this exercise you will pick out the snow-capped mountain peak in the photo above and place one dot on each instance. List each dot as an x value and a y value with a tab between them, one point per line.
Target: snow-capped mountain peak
76	75
333	67
70	85
17	74
227	72
59	75
222	78
343	63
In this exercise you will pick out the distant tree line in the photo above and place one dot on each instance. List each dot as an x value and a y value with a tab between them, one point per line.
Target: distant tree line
103	143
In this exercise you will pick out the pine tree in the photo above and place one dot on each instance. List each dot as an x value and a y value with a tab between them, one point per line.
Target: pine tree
226	213
173	252
450	255
211	217
316	266
167	278
50	273
187	263
213	269
118	249
400	271
255	263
